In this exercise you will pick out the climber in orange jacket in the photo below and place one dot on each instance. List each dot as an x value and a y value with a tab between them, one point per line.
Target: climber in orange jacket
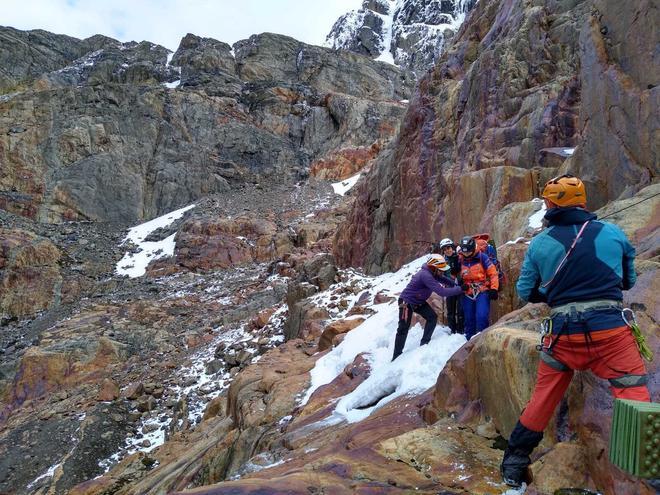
480	275
578	266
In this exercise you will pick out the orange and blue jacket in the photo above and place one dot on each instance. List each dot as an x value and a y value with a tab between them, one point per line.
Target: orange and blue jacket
479	273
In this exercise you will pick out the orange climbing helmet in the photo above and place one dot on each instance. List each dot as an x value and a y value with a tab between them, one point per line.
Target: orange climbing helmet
565	190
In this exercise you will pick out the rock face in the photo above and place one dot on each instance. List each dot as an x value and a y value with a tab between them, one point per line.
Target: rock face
517	86
96	136
30	278
411	34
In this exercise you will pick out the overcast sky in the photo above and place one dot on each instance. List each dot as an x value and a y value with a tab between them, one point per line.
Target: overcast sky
167	21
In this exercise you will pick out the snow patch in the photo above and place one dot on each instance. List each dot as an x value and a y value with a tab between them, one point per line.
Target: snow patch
173	84
134	264
515	241
48	474
344	186
536	220
386	44
413	372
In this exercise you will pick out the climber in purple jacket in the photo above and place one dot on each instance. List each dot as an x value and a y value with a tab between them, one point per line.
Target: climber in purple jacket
413	299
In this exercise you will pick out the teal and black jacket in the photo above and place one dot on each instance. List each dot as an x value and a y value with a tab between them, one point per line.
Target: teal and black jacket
600	266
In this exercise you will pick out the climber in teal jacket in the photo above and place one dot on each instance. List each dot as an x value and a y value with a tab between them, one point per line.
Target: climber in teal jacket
599	267
608	274
579	266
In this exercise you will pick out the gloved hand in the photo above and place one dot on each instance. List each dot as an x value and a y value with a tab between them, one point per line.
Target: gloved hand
492	293
464	287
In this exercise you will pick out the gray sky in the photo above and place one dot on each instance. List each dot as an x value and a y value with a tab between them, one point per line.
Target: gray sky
167	21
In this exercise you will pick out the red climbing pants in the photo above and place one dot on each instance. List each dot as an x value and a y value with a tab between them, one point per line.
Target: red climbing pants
611	354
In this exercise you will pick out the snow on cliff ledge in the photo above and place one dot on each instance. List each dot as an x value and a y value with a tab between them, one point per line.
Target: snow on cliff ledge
407	33
135	262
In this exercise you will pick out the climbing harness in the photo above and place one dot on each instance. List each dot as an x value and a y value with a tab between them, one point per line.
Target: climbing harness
405	310
475	289
631	321
580	307
547	343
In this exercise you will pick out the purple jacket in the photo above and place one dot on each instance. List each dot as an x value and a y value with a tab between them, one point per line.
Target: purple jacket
423	283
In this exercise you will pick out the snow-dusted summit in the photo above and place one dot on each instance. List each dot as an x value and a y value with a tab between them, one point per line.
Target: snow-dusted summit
408	33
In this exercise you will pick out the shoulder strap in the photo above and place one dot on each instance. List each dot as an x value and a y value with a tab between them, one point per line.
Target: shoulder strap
562	263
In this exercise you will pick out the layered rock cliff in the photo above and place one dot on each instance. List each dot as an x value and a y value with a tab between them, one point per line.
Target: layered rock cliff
108	131
526	91
195	377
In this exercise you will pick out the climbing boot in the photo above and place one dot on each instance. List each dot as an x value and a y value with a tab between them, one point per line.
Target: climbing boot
516	456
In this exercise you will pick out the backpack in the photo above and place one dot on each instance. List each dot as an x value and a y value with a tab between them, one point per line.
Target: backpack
487	246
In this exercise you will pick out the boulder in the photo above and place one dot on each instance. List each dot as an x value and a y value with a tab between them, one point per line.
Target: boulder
208	242
108	390
330	332
511	258
512	221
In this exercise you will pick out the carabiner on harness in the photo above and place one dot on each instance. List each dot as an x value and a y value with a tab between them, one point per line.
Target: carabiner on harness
475	289
631	321
546	331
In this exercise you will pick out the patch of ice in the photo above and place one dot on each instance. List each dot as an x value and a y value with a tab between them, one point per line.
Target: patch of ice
134	264
344	186
173	84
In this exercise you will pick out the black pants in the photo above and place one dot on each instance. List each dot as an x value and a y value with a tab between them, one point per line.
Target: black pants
455	314
405	316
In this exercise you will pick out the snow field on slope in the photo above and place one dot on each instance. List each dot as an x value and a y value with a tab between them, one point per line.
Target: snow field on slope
344	186
134	264
413	372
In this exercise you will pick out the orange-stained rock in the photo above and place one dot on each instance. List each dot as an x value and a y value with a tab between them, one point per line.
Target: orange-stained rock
45	369
108	390
452	455
223	242
30	279
511	257
344	163
561	468
262	318
334	329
